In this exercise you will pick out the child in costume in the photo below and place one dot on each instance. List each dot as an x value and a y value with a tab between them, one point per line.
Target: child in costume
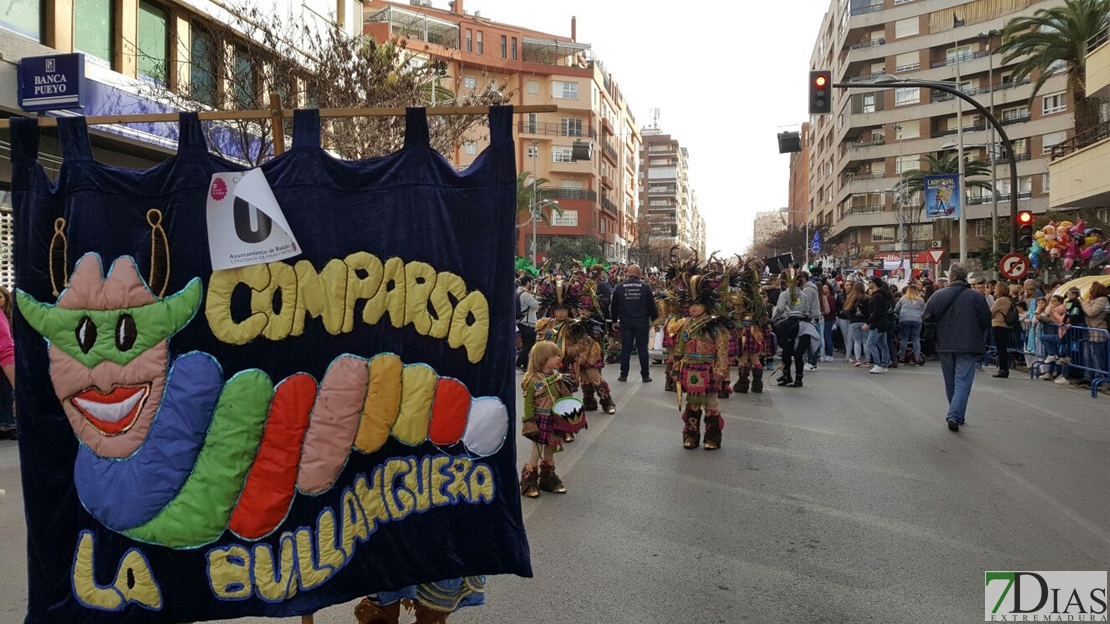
700	354
754	329
543	385
432	603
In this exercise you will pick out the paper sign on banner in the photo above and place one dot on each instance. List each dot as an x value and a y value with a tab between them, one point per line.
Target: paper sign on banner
245	223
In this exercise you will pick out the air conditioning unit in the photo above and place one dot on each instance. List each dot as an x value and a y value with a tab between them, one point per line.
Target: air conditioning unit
936	245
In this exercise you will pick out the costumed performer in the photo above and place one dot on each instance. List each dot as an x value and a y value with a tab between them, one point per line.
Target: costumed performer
543	387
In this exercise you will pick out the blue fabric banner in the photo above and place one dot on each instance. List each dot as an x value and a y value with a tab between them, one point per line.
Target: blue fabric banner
276	437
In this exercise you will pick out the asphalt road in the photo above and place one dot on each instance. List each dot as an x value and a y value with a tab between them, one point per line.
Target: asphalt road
847	500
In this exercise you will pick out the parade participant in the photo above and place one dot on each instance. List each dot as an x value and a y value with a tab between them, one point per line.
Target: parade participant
633	310
700	353
671	325
751	330
579	334
431	603
543	386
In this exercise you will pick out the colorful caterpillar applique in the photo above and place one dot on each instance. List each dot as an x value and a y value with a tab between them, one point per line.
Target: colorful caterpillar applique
173	455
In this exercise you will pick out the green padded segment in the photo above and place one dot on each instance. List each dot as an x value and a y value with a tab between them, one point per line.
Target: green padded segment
201	511
154	322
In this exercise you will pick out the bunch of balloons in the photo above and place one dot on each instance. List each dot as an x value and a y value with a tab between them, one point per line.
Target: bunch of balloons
1076	244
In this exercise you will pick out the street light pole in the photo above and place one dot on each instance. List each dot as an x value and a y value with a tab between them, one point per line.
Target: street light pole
887	81
993	147
532	212
960	156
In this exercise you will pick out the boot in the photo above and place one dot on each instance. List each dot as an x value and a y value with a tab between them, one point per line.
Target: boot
741	385
668	380
549	481
367	612
691	432
607	404
529	483
725	391
757	380
797	383
427	615
713	425
589	401
786	378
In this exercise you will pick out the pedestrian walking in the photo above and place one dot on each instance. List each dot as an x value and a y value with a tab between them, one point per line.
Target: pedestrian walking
1002	312
526	308
634	310
962	319
795	322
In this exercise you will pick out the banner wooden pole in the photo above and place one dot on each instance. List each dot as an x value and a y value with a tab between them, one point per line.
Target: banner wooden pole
49	122
277	123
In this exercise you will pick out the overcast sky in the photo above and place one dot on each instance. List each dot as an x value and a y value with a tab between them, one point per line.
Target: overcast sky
726	77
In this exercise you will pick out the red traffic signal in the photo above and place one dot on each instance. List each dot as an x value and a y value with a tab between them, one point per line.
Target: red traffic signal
1025	217
819	100
1024	230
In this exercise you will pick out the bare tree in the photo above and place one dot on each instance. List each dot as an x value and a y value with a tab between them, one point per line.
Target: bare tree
235	64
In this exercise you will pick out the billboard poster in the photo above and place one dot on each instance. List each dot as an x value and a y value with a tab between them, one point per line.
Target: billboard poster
942	196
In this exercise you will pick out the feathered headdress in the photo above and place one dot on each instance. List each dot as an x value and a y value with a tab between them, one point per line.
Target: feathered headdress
525	265
690	281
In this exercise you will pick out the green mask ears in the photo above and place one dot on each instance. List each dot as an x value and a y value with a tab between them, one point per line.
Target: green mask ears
95	336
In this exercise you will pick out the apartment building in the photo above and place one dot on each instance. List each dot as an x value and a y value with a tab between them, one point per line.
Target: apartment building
857	153
666	197
140	56
768	223
597	196
798	202
1079	168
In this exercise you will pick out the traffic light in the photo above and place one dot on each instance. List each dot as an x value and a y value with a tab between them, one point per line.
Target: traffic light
820	82
1025	229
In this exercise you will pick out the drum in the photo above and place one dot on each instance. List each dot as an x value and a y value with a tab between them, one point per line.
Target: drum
569	414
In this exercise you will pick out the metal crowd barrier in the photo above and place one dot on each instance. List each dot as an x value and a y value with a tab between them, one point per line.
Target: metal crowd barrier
1086	350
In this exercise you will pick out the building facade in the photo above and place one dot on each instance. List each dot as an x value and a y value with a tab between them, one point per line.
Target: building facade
668	202
857	153
598	196
769	223
798	201
140	56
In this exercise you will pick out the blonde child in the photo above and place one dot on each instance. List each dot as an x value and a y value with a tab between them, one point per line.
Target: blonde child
543	385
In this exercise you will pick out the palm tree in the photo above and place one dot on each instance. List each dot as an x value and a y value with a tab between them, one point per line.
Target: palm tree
529	191
1055	39
913	181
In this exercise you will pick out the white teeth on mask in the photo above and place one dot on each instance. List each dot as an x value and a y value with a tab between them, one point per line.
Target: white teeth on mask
110	412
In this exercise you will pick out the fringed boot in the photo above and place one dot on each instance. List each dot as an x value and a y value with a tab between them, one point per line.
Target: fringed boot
607	404
427	615
668	380
367	612
741	385
529	482
549	481
757	380
589	401
691	431
713	425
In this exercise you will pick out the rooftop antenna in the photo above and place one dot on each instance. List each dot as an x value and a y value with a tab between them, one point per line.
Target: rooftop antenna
655	118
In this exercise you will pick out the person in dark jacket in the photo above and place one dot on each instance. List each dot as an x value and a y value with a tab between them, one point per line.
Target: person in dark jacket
633	310
877	325
962	319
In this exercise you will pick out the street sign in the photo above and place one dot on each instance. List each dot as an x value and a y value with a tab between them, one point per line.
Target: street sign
1014	266
51	82
936	255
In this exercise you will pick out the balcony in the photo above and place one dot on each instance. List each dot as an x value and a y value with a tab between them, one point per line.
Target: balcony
867	77
962	58
548	128
863	209
574	194
941	96
610	153
864	10
1002	197
1078	169
608	205
607	182
855	176
607	126
870	43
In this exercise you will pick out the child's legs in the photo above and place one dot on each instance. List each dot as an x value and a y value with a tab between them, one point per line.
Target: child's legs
750	359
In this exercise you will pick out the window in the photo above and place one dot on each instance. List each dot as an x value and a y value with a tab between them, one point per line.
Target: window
24	17
514	48
469	41
470	148
907	62
470	82
92	29
883	234
906	27
1049	140
982	228
960	53
1017	112
480	46
569	218
869	103
153	42
659	202
906	96
533	152
1045	186
504	46
531	123
244	88
561	154
564	90
911	131
202	65
1054	103
907	163
571	127
533	87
